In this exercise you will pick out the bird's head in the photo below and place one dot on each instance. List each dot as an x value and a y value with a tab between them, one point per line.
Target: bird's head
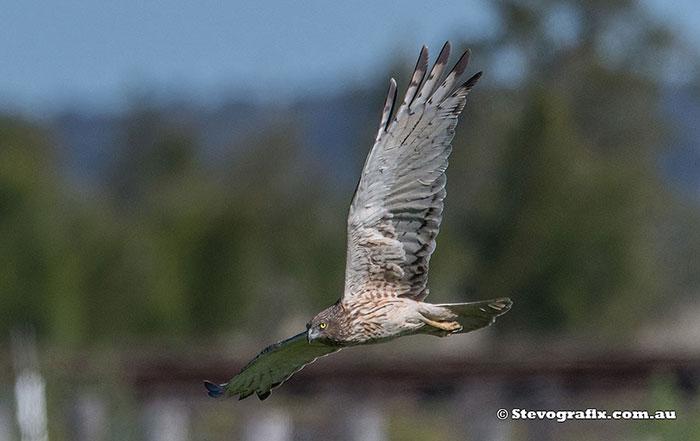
323	327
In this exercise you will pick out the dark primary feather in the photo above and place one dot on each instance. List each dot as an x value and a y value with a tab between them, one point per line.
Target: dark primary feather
215	390
416	81
434	76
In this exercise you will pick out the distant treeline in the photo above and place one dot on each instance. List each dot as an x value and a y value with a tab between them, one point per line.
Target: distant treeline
555	198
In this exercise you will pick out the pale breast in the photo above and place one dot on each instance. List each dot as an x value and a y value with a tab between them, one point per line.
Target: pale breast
378	313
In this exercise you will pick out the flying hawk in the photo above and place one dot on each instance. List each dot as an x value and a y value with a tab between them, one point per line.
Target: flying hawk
394	218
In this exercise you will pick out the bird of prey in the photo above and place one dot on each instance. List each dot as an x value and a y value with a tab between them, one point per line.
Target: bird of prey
394	218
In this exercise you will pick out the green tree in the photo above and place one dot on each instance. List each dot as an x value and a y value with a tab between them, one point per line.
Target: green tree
557	167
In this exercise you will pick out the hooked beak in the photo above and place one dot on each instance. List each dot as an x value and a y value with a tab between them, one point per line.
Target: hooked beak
312	334
309	337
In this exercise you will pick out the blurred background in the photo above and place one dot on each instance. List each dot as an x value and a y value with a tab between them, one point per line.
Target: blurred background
175	178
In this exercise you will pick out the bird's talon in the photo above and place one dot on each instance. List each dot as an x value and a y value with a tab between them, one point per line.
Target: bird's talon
450	327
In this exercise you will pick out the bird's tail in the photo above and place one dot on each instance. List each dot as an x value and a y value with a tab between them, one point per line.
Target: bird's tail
474	315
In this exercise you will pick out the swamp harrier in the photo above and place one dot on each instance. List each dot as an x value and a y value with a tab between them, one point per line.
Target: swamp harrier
394	218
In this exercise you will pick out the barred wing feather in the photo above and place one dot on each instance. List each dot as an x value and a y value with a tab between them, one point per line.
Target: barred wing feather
397	208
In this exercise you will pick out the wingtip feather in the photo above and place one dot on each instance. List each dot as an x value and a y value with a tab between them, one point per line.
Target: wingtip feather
462	63
451	80
446	48
416	81
215	390
472	81
433	80
387	109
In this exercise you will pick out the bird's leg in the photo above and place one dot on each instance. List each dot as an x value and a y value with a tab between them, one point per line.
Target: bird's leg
450	327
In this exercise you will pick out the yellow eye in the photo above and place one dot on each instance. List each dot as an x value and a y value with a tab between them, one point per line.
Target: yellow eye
322	326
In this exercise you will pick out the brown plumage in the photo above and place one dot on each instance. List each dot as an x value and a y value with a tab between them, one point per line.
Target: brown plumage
394	218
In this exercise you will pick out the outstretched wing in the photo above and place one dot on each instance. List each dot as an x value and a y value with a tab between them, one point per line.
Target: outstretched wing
275	364
396	212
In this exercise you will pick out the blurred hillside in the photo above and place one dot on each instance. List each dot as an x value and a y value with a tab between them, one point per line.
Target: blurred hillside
571	189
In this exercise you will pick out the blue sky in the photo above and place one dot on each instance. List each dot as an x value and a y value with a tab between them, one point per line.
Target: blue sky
95	53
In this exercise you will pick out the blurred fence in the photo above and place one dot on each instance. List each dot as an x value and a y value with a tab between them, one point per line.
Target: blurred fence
347	397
